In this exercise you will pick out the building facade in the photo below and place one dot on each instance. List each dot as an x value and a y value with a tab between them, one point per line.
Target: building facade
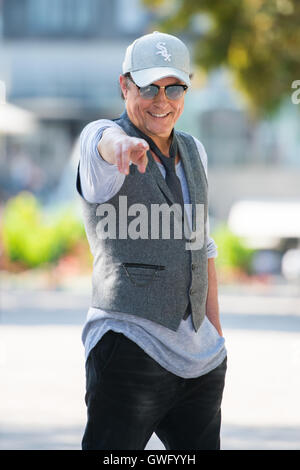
61	59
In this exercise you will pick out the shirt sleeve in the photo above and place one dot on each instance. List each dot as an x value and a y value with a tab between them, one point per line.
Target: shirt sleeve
212	249
100	180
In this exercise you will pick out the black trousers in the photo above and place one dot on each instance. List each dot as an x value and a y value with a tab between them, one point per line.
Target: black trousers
129	396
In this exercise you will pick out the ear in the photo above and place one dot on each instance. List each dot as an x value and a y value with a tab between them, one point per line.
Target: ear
123	85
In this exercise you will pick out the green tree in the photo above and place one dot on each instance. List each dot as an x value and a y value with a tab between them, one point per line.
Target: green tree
257	40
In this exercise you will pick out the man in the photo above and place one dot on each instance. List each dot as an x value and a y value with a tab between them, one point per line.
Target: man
155	354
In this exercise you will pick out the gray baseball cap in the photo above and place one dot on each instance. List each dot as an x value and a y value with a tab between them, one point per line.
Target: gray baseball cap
155	56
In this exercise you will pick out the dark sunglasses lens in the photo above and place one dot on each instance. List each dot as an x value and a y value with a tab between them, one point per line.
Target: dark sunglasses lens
148	92
174	92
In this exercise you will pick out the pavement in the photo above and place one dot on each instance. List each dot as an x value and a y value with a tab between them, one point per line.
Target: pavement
42	368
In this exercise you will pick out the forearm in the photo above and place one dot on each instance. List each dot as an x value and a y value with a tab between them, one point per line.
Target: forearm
100	181
212	302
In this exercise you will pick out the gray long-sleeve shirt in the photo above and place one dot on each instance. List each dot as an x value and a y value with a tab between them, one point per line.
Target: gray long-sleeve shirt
185	352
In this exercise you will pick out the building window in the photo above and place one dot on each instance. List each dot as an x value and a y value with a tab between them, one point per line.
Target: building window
227	136
51	18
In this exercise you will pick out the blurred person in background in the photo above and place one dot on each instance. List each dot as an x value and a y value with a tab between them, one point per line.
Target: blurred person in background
155	353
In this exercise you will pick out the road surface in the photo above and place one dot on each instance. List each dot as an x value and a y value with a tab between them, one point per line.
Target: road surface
42	370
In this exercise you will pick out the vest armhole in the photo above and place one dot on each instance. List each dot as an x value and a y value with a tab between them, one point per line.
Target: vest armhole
78	182
188	140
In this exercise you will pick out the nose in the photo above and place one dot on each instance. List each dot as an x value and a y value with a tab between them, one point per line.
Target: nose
161	96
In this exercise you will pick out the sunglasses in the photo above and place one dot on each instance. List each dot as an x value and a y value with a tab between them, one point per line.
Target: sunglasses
172	92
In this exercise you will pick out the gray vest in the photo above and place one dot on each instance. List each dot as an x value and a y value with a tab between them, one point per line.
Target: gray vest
138	268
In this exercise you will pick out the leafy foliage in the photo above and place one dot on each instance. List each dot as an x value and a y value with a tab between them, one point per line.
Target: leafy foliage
234	252
257	40
32	237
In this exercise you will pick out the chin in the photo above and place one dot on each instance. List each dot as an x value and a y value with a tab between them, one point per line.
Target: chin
160	127
157	131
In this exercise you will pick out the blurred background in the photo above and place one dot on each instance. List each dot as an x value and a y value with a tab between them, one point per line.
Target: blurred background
59	66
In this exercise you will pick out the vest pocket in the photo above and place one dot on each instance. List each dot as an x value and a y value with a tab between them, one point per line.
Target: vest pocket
141	274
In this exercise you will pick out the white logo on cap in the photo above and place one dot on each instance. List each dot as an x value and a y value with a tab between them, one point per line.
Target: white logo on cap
163	51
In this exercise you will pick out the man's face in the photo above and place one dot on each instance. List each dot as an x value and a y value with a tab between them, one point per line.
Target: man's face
156	117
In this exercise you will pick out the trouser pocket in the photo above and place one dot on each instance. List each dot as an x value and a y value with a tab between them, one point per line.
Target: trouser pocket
102	355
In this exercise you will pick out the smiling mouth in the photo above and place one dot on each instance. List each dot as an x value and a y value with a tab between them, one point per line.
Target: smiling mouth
159	116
